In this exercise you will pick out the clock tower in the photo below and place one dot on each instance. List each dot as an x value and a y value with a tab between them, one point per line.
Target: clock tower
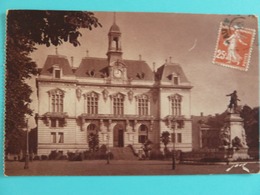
117	69
114	52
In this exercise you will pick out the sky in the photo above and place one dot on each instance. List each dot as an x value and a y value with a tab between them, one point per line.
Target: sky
188	39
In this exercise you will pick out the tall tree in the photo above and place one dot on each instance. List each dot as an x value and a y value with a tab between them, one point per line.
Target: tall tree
26	29
165	138
251	124
93	142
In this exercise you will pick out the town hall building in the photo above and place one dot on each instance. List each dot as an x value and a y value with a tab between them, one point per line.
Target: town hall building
124	101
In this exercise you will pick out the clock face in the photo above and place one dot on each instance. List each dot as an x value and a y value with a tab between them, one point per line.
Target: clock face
117	73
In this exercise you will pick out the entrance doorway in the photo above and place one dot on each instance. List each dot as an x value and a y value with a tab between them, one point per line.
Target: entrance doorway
118	136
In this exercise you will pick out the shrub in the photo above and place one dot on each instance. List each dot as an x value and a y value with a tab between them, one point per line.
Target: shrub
53	155
101	154
103	149
44	157
156	155
36	158
167	153
178	154
87	155
78	156
63	157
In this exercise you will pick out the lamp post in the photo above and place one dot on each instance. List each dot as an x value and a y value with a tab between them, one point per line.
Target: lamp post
26	164
173	149
108	151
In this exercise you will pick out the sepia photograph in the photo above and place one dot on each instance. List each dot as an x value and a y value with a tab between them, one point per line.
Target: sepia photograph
130	93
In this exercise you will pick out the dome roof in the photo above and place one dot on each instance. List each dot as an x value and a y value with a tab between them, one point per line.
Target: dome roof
114	28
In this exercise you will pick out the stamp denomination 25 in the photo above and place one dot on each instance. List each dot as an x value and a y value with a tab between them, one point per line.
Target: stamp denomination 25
234	47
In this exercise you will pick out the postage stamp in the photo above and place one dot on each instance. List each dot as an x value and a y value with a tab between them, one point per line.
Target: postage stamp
234	46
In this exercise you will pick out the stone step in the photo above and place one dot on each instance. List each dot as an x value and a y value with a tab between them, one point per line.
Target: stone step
124	153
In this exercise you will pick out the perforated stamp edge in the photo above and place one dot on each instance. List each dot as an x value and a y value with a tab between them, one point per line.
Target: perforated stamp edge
246	67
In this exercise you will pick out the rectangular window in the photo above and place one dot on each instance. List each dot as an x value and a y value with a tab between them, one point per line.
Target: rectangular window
180	124
57	122
143	106
57	74
118	106
61	137
142	138
60	122
53	137
57	103
92	103
176	80
173	138
176	106
53	122
179	138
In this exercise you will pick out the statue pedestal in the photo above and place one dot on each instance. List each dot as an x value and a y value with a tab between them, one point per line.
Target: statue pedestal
233	133
240	154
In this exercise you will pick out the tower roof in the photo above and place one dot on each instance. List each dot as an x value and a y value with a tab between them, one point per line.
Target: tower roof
59	60
137	69
114	28
167	69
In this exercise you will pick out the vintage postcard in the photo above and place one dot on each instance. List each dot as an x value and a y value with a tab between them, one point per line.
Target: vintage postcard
105	93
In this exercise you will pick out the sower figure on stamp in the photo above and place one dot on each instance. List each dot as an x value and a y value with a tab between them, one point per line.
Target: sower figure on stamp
233	101
231	42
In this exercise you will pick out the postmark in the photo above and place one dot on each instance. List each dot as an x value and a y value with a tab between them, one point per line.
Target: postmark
234	46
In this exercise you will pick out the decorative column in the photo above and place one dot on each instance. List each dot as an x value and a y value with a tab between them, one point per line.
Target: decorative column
129	134
103	134
110	132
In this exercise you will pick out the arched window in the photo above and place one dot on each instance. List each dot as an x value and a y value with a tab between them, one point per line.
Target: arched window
91	102
175	102
56	97
142	133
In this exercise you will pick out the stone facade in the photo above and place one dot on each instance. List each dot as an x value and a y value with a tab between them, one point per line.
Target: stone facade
123	101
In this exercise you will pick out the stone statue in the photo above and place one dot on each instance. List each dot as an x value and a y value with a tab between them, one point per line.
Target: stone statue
233	134
233	101
225	136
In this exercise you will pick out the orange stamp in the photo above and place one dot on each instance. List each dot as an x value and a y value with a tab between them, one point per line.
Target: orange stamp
234	46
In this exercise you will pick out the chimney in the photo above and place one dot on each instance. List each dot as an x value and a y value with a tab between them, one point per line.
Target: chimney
72	60
56	50
201	114
140	57
87	53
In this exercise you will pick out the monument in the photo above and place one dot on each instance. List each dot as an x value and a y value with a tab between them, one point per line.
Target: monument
232	135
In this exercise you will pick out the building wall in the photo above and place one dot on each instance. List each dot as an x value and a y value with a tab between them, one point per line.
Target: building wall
74	138
44	103
165	104
75	134
165	110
